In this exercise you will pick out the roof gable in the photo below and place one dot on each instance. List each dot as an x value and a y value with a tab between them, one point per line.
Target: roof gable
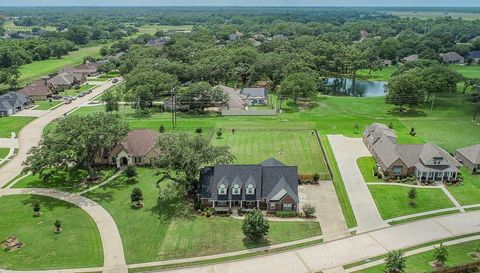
472	153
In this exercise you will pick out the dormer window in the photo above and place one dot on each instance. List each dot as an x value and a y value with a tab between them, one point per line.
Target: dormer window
236	190
222	190
437	160
250	189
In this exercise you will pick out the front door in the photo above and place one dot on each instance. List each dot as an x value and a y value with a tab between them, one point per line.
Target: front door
123	161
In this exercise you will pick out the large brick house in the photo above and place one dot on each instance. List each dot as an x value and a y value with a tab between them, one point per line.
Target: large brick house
270	186
138	148
38	90
469	157
427	162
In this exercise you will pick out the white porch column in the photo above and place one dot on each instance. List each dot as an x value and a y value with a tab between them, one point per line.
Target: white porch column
230	203
258	204
213	204
442	175
241	204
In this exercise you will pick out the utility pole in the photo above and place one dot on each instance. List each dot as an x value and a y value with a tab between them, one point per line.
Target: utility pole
174	107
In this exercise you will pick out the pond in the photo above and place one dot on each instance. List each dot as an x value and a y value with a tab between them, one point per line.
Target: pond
357	88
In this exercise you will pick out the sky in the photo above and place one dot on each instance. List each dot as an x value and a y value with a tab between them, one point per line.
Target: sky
367	3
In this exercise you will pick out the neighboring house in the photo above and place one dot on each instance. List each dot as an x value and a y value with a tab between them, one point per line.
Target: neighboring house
66	78
427	162
470	157
474	55
160	42
235	100
270	185
411	58
13	102
87	69
255	96
139	148
452	58
38	90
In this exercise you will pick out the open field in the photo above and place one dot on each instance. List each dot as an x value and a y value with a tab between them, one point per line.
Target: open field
366	165
436	14
12	124
298	148
469	192
10	26
173	230
78	245
457	255
392	201
35	70
470	71
46	105
151	29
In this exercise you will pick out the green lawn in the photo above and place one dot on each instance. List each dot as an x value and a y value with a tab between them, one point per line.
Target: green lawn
366	165
457	255
470	71
392	201
34	70
74	92
4	152
78	245
64	181
469	192
151	29
299	148
167	228
46	105
12	124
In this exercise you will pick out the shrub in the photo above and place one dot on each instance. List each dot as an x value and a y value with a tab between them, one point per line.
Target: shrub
309	209
440	254
137	197
161	129
219	133
208	212
58	226
412	195
130	172
395	262
286	213
36	209
316	177
356	127
199	130
255	226
305	179
390	125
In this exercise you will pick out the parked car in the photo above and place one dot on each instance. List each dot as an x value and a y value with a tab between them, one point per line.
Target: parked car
68	101
56	97
89	91
73	98
114	80
82	94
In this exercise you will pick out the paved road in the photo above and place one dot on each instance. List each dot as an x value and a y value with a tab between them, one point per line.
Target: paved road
328	211
113	256
30	135
328	257
346	151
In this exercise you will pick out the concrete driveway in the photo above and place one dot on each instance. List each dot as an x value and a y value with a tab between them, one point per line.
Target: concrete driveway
328	211
31	113
346	151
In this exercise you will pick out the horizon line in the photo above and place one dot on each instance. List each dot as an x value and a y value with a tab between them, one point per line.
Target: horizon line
233	6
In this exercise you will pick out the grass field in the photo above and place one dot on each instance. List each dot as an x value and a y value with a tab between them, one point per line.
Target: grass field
392	201
469	192
78	245
470	71
64	181
74	92
173	231
298	148
366	165
35	70
457	255
436	14
13	124
46	105
4	152
151	29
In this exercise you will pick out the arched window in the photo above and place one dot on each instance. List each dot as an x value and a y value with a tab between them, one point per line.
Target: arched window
250	189
236	190
222	189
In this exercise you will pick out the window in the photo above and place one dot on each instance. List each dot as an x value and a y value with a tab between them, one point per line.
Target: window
113	160
272	206
250	189
397	170
287	207
222	190
437	160
236	189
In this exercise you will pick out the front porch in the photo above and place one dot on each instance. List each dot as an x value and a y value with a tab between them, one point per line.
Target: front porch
228	204
437	176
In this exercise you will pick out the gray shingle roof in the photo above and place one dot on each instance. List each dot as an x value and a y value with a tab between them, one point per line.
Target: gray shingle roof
11	100
265	177
474	54
451	57
472	153
254	92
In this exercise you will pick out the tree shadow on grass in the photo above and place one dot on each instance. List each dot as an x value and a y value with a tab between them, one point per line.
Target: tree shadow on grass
408	114
254	244
49	203
171	203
